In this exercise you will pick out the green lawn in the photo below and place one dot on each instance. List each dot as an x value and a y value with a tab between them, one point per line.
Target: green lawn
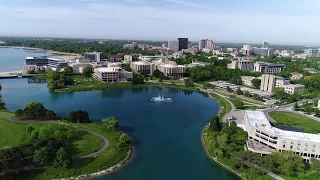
224	105
110	157
297	121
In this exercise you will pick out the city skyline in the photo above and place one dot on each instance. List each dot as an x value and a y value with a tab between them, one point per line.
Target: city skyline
247	21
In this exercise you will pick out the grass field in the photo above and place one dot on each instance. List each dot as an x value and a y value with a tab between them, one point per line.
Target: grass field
110	157
290	119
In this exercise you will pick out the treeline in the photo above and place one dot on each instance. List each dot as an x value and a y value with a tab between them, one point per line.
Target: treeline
79	117
35	111
41	147
106	50
218	71
2	104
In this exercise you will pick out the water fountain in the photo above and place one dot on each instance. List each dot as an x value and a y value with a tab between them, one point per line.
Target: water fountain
161	99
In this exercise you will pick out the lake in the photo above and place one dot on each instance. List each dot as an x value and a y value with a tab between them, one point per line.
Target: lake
166	136
13	59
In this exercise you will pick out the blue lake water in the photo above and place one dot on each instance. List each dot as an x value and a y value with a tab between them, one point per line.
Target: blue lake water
166	136
14	59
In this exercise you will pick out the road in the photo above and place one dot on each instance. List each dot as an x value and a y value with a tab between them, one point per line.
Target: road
106	141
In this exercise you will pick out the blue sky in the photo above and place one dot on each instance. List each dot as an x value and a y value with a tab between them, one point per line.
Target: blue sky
239	21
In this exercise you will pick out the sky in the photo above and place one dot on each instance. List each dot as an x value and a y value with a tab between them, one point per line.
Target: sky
231	21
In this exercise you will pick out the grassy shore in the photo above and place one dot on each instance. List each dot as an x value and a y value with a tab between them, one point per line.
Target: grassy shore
108	158
290	119
225	106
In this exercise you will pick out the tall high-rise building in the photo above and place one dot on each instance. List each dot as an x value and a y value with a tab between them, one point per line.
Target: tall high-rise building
209	44
183	43
173	45
265	44
189	44
202	44
93	56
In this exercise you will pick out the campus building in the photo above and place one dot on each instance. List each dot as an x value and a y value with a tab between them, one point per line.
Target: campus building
112	73
264	139
268	68
242	65
93	56
46	64
293	88
247	80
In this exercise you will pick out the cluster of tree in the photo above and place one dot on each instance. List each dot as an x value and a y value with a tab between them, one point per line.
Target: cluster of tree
137	79
112	123
256	83
35	111
218	71
208	86
64	45
215	125
87	71
2	104
79	117
188	82
57	80
43	147
308	108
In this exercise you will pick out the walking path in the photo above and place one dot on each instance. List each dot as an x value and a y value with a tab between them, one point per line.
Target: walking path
106	141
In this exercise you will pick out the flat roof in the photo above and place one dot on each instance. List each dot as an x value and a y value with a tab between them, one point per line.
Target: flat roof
260	121
107	69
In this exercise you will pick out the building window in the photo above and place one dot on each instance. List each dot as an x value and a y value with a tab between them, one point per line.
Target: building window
291	147
284	146
314	146
299	143
291	142
298	148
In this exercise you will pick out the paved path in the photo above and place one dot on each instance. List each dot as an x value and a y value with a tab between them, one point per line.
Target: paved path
106	141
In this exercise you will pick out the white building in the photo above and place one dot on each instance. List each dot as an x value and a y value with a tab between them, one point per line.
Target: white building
143	67
311	52
293	88
265	44
202	44
242	65
112	73
209	45
265	139
281	82
79	65
178	55
189	44
93	56
268	68
296	75
247	80
128	58
173	45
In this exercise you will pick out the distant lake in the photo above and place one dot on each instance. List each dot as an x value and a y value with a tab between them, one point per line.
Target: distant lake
12	59
166	136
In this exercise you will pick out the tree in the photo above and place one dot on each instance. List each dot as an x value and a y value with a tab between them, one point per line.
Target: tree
315	164
43	156
228	89
87	71
246	93
111	123
137	79
0	87
296	106
124	139
256	83
18	113
238	91
188	82
34	110
62	159
279	94
68	70
30	129
156	73
208	86
215	124
308	110
72	117
315	103
50	115
239	104
255	96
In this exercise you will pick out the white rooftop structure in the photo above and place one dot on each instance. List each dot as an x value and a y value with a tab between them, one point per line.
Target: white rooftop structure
260	121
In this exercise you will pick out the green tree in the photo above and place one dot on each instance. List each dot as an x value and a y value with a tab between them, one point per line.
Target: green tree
156	73
246	93
72	117
208	86
315	103
111	123
256	83
239	104
68	70
238	91
279	94
0	87
30	129
62	159
124	139
315	164
228	89
188	82
43	156
50	115
87	71
255	96
18	113
296	106
34	110
215	123
308	110
137	79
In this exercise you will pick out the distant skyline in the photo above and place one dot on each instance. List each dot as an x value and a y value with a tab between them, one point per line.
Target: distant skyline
230	21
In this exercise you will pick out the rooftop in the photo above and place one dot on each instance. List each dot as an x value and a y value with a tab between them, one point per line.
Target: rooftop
107	69
260	121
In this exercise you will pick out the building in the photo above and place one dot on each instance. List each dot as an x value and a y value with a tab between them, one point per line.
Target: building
296	75
80	64
112	73
129	46
209	44
178	55
189	44
93	56
197	63
268	68
247	80
143	67
265	44
311	52
46	64
267	83
172	71
183	43
173	45
262	51
202	44
319	104
242	65
56	64
37	61
128	58
293	88
281	82
264	139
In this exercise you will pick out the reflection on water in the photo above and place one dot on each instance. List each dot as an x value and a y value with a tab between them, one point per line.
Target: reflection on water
36	81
